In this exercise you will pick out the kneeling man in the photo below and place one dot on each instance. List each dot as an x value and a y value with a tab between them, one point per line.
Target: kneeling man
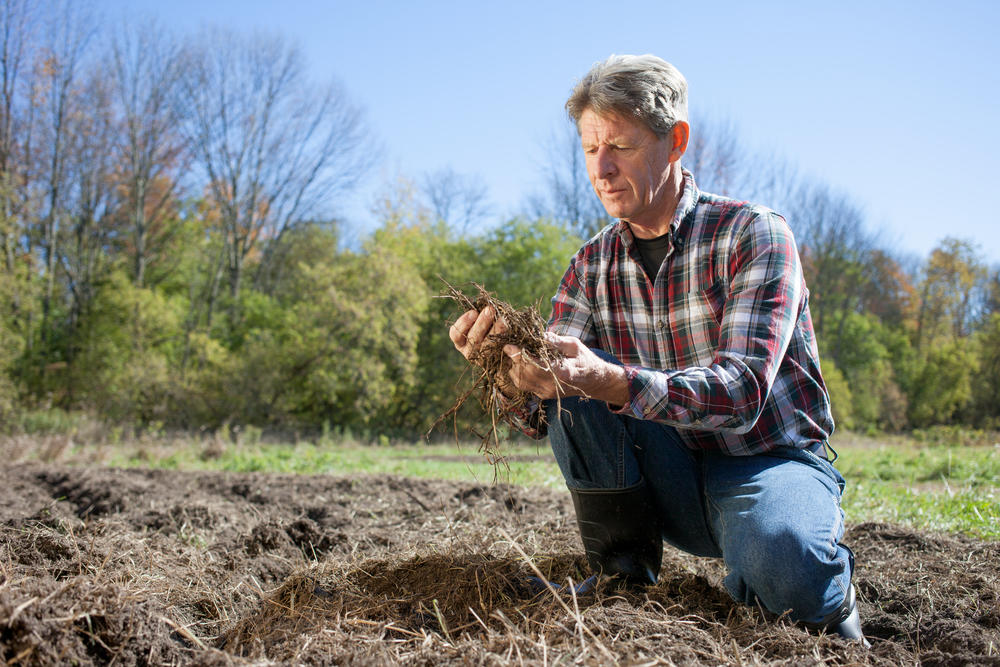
691	408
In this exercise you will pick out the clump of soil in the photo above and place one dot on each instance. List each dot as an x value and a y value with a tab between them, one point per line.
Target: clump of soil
498	397
103	566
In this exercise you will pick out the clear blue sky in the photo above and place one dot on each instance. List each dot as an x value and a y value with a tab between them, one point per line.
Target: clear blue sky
896	104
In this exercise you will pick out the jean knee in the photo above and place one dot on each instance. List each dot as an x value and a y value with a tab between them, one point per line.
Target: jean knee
784	571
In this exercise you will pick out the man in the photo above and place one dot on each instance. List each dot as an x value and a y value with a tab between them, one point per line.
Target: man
689	406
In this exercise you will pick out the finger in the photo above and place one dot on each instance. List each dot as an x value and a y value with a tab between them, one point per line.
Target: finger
517	375
498	327
568	345
480	329
512	351
459	331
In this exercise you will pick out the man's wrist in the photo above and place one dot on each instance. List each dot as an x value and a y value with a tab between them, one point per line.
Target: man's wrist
613	385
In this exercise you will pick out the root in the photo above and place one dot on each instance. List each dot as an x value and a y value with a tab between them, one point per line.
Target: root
498	397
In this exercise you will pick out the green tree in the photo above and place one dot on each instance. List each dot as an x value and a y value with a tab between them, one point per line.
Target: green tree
128	342
11	346
522	261
840	396
986	379
953	278
867	354
942	388
337	344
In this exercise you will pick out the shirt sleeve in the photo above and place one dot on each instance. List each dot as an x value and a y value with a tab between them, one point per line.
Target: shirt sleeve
571	311
758	319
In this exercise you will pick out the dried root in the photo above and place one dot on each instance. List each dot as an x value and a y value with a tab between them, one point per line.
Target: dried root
497	395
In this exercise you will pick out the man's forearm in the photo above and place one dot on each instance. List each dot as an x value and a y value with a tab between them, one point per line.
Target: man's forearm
608	383
616	387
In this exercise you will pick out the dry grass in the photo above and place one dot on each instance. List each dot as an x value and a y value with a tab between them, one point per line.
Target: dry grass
159	567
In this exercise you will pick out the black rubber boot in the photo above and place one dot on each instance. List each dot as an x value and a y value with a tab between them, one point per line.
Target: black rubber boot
846	621
620	533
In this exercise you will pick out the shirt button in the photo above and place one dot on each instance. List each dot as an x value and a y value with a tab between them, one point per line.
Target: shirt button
661	325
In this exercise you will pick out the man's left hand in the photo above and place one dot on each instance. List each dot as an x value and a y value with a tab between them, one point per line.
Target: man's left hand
579	373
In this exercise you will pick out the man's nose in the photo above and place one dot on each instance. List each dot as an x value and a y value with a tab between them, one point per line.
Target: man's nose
606	166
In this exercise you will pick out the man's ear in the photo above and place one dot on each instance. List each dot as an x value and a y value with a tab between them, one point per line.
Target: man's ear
679	139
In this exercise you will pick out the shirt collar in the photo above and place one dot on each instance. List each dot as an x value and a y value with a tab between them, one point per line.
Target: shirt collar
681	218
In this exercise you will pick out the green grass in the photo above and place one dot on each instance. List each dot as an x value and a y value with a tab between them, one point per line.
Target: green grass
931	487
454	462
921	484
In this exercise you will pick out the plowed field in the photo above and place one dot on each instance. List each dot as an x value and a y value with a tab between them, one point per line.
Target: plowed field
139	567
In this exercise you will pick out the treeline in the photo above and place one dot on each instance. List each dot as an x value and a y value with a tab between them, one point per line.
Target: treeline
170	257
905	342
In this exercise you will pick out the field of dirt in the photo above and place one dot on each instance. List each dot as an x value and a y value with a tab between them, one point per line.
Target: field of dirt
140	567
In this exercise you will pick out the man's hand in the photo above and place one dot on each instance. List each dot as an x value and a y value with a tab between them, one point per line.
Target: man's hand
579	373
471	329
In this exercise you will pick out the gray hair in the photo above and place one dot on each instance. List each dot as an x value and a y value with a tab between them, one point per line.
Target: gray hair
643	87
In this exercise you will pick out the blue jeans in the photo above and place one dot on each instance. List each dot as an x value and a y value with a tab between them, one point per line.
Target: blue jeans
774	518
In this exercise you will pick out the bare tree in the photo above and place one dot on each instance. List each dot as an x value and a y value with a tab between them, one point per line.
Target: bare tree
836	249
723	164
89	200
716	157
568	198
274	148
17	27
18	36
67	33
460	201
146	66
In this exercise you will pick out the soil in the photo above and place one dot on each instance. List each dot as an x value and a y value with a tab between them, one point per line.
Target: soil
150	567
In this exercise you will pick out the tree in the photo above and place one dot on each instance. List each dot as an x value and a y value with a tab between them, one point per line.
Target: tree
67	34
146	66
991	304
569	199
18	41
943	388
716	158
128	343
889	292
89	200
867	361
522	261
340	346
460	201
836	251
409	230
986	381
955	279
17	27
273	147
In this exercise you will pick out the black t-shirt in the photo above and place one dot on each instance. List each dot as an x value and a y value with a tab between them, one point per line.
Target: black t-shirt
652	252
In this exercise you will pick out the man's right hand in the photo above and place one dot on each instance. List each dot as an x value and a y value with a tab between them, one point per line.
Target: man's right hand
471	329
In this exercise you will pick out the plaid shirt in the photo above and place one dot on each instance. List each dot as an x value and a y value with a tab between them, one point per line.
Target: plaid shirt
720	345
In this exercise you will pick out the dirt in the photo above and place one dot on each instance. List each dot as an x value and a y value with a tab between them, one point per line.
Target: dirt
141	567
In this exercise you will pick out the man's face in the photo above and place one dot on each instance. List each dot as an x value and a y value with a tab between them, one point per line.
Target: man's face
628	165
